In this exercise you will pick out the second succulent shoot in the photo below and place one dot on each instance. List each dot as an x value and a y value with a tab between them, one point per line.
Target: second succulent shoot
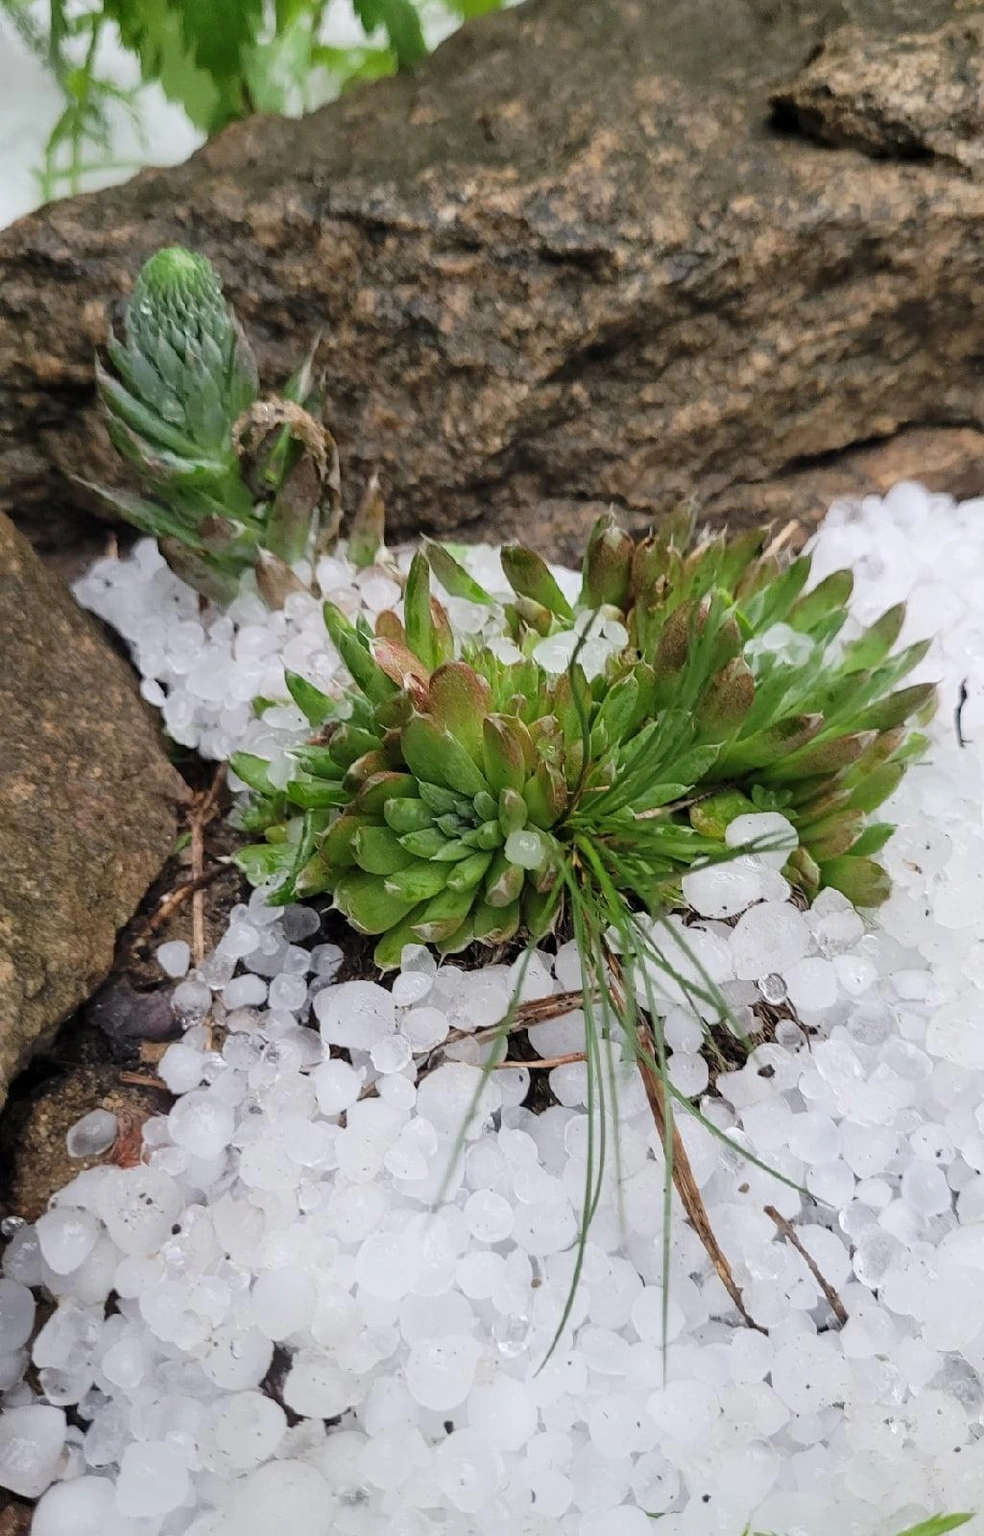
471	789
230	483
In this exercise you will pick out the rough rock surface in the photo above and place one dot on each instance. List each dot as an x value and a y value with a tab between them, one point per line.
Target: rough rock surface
88	802
596	251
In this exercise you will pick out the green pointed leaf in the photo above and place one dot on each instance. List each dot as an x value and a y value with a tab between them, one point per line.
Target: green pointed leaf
316	794
438	798
376	791
378	851
508	752
876	787
254	771
317	761
443	916
366	540
409	815
435	757
261	862
898	707
365	901
419	881
862	881
425	844
453	577
460	700
831	596
496	924
417	620
312	703
529	576
871	648
389	951
873	839
468	872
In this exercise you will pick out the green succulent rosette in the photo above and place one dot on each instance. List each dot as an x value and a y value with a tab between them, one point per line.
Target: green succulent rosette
462	787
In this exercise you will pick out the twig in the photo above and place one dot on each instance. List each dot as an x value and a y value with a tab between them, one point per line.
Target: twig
684	1182
176	898
789	1232
141	1080
201	815
782	538
540	1066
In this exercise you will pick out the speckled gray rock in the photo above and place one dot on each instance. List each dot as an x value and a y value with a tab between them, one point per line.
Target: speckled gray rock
595	251
88	802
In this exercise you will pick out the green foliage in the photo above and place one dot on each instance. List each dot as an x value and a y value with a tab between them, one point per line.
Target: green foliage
477	798
219	60
229	484
936	1525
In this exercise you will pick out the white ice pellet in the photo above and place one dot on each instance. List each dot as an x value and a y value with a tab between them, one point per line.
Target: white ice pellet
16	1315
93	1134
723	889
32	1438
174	958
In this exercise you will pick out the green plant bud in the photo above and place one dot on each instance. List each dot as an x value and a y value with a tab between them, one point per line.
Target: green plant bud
442	634
336	845
801	869
486	806
365	901
407	815
367	535
356	656
317	761
417	619
872	839
546	796
378	851
317	706
460	701
378	788
348	742
451	824
540	910
607	570
529	576
419	881
389	950
488	835
455	848
511	812
366	767
862	881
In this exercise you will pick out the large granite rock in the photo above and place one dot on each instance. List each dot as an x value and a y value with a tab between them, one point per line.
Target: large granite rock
88	802
596	251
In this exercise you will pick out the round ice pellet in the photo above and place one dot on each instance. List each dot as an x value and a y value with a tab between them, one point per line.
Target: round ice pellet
489	1216
16	1315
92	1135
67	1237
174	958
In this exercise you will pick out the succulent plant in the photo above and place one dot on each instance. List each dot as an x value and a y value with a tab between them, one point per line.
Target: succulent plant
231	483
480	789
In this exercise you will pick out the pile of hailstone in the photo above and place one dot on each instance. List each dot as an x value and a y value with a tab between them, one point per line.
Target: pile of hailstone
270	1323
